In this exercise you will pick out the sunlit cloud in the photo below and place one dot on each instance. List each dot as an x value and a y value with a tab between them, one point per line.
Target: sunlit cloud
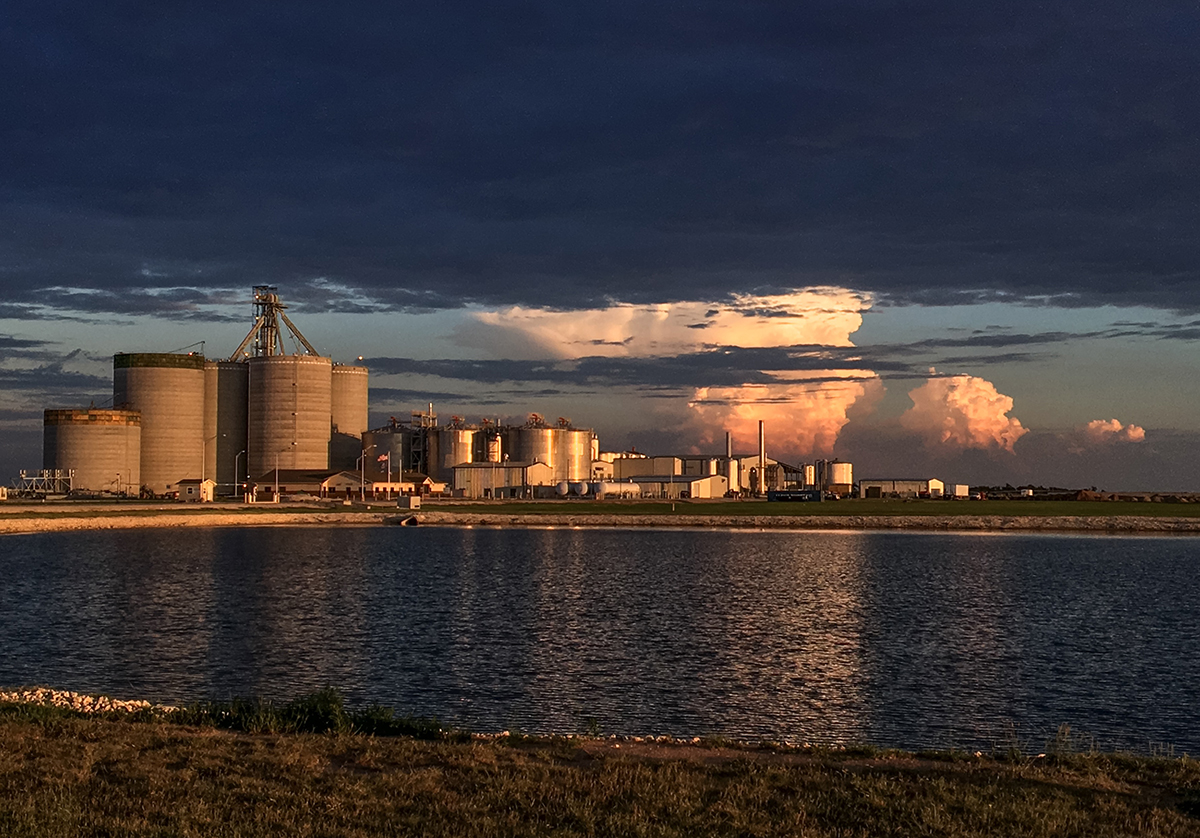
1104	431
802	417
820	316
962	411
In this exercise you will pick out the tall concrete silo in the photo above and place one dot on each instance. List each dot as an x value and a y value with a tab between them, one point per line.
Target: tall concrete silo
102	446
226	394
288	416
168	391
348	400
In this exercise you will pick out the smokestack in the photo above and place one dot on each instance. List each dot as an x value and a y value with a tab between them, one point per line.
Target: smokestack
728	445
762	458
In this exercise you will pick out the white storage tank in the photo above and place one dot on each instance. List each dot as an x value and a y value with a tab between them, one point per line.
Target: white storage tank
168	390
226	401
289	413
348	414
102	446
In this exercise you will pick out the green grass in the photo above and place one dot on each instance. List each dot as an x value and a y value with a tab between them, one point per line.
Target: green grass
66	774
849	507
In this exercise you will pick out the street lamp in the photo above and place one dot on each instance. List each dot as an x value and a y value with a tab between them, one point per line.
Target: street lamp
236	471
362	475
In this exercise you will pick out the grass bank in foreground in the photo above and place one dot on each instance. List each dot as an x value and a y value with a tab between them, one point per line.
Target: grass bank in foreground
65	773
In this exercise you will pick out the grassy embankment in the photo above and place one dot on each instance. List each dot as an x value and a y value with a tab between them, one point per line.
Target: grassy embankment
63	773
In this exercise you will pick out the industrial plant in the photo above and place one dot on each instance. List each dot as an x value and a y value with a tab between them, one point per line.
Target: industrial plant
263	423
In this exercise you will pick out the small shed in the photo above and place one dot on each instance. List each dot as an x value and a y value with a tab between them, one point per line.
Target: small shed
195	490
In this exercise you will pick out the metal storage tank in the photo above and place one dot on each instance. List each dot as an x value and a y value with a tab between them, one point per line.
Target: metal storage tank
448	447
168	391
541	444
348	414
394	440
575	453
288	413
841	474
102	446
226	395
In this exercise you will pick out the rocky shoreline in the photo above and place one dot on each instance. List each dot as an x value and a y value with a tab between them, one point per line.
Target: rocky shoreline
41	520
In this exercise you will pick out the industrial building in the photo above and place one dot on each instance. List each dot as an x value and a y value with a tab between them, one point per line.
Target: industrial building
910	488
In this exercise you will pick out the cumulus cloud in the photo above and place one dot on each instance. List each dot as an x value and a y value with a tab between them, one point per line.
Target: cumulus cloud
817	316
1103	431
803	417
962	411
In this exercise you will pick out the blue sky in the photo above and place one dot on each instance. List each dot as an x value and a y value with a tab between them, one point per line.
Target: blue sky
661	221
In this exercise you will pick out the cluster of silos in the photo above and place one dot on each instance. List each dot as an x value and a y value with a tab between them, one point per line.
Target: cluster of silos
102	447
567	450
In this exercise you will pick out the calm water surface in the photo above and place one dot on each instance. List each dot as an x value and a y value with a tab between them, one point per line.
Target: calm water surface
897	639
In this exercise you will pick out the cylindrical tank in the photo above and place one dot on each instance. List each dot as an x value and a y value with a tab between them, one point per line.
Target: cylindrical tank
226	394
289	413
578	488
841	474
102	446
616	490
488	446
563	488
348	414
575	453
448	447
393	440
168	391
536	444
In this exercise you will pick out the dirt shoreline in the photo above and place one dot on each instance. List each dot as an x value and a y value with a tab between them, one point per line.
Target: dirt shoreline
28	520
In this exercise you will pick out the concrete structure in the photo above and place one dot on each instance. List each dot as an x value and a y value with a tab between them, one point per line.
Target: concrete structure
348	414
226	394
168	391
289	412
501	480
101	447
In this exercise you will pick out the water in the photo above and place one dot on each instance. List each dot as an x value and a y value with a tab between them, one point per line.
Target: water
895	639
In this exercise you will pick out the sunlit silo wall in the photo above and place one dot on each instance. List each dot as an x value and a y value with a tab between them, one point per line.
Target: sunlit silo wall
226	397
575	454
102	446
396	441
289	413
168	391
348	395
449	447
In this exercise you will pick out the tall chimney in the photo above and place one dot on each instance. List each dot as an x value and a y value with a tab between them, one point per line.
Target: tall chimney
762	458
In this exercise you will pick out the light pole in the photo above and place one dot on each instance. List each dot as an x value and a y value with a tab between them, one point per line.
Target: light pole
237	482
362	475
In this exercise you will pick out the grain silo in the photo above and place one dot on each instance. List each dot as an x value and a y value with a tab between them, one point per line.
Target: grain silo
288	415
348	405
102	446
168	390
567	450
225	416
575	453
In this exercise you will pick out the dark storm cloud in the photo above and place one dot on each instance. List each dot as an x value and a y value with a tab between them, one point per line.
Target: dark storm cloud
565	154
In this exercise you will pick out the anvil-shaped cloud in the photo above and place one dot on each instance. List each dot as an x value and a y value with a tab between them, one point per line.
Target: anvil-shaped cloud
815	316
